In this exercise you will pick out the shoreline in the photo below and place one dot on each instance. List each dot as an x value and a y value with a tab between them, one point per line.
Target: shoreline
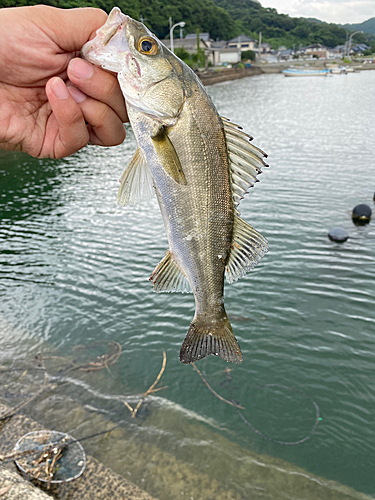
212	76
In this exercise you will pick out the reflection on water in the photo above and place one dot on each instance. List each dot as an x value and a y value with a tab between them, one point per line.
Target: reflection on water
74	269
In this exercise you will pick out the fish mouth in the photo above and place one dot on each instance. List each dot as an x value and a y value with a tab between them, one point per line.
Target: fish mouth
108	36
109	46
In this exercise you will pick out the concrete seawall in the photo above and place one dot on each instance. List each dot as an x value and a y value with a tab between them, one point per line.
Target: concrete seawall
209	77
212	76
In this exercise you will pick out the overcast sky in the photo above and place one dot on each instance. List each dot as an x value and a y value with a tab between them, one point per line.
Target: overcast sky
331	11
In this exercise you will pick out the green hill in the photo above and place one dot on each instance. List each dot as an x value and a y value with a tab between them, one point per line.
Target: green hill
280	29
202	14
223	19
367	26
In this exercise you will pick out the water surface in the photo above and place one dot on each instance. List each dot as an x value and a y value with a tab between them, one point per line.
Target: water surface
75	267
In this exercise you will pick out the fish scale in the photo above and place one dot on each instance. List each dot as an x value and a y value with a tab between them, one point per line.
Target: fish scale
199	165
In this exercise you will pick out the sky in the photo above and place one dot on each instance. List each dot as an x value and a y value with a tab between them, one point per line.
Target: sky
331	11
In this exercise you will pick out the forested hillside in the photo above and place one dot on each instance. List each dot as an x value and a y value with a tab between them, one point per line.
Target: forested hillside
367	26
202	14
223	19
280	29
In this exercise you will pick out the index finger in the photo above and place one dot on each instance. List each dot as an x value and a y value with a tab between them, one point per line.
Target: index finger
98	84
70	29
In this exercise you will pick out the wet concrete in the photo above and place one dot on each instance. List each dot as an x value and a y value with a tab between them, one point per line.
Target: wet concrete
14	487
97	482
146	449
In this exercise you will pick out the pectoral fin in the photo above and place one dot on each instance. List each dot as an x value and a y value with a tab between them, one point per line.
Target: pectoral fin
137	183
168	156
248	247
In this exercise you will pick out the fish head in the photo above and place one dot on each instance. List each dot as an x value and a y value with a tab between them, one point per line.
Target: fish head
149	74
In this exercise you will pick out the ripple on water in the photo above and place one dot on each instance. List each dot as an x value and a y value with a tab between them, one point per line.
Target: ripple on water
75	267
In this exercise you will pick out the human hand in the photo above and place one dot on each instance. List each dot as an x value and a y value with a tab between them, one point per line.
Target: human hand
52	103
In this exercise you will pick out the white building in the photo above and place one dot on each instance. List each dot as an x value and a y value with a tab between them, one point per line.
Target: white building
242	42
225	55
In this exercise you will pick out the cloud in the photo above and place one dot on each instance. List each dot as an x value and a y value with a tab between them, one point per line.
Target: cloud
333	11
336	11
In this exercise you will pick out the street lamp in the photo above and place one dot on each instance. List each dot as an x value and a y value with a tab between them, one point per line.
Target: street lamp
182	24
350	41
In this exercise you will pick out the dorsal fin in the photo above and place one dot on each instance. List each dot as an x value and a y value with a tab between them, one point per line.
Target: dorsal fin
246	160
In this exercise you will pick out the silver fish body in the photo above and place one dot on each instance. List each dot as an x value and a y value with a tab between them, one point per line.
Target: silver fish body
200	166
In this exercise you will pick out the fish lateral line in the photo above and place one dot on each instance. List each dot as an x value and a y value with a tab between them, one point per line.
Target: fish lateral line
170	111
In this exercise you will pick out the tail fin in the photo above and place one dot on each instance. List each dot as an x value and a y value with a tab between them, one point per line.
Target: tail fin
203	339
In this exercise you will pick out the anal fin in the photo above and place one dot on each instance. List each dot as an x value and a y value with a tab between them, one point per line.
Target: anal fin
168	277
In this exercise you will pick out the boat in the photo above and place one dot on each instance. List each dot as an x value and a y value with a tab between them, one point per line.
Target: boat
306	72
340	70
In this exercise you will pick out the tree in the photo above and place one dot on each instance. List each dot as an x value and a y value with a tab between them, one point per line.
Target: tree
248	54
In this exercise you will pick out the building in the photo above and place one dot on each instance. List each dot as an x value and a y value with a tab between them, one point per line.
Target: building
266	48
202	36
339	51
316	50
224	55
359	49
335	53
219	52
242	43
285	54
189	43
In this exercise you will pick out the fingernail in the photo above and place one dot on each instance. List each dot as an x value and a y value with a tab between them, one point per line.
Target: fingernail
81	68
59	89
77	95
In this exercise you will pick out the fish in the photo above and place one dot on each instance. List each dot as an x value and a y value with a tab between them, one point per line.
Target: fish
198	163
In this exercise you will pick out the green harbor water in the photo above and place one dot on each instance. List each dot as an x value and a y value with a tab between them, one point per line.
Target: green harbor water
74	270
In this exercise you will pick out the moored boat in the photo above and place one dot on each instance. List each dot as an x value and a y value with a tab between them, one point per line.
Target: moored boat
340	70
306	72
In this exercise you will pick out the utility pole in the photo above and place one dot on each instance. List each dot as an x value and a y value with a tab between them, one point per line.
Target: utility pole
260	45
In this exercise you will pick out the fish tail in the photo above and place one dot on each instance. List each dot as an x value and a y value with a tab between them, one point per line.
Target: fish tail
204	339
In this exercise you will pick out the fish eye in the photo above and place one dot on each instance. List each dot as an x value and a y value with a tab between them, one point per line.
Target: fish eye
148	46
